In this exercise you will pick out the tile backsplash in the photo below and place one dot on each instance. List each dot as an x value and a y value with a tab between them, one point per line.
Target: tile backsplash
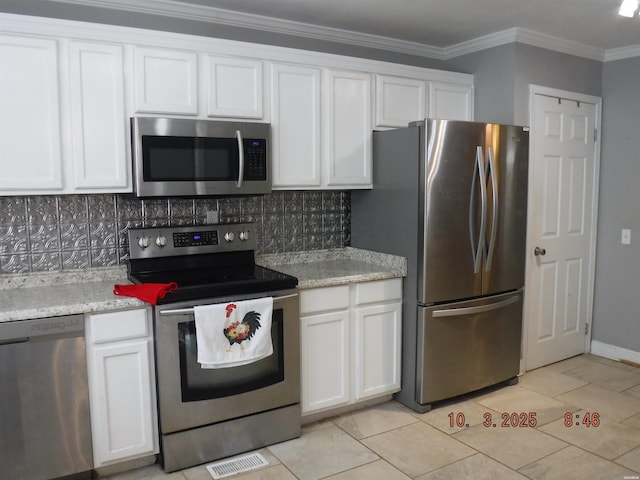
44	233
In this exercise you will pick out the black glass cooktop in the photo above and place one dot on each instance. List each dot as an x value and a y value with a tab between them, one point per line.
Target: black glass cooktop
208	276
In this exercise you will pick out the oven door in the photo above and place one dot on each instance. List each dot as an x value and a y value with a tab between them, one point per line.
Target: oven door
190	396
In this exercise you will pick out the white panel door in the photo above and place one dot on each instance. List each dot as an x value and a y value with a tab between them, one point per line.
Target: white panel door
399	101
30	135
347	125
295	126
234	87
563	168
377	350
122	381
450	101
166	81
325	360
98	120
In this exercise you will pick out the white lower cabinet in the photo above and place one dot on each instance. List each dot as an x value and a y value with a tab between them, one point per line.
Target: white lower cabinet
350	343
121	385
377	350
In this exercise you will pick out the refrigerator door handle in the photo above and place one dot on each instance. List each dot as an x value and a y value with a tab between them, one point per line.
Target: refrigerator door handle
455	312
477	249
495	208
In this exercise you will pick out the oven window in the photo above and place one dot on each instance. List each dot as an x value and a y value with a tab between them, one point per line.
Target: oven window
189	158
203	383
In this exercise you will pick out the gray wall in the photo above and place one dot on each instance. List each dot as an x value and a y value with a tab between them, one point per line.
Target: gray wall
502	76
494	73
539	66
616	308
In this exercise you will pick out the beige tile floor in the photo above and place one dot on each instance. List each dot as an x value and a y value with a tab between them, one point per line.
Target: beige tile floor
392	442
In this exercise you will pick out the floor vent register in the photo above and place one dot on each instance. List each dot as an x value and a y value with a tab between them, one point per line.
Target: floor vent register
236	465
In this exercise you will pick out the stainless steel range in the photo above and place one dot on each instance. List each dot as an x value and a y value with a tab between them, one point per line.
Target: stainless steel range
207	414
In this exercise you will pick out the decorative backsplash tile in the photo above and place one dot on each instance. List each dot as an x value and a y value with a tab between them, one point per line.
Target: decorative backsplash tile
43	233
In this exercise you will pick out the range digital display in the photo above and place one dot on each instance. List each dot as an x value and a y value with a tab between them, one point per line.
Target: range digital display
195	239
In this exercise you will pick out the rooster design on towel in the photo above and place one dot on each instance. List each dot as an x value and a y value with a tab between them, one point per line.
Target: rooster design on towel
241	330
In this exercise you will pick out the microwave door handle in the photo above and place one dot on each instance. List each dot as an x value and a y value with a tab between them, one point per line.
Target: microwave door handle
240	159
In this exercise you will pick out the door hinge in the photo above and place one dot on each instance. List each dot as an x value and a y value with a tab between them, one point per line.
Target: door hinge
586	329
595	134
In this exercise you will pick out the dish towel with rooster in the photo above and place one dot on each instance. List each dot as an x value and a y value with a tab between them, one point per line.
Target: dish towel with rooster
233	334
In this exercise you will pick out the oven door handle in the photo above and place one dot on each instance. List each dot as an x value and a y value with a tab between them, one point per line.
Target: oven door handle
187	311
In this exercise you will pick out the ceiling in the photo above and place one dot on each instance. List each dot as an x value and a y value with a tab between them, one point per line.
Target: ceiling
439	25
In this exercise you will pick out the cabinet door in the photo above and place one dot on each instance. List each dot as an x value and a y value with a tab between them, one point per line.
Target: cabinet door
166	81
325	361
347	127
295	126
122	382
234	87
450	101
399	101
377	350
98	121
30	146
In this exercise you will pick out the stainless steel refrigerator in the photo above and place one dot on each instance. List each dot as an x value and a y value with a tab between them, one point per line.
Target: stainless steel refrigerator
451	197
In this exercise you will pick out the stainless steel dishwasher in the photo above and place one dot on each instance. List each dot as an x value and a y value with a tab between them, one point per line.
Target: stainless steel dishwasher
45	428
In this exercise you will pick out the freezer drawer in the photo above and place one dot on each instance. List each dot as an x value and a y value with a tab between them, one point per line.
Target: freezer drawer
465	346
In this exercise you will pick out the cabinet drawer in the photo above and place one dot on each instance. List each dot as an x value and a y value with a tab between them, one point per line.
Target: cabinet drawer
378	291
323	299
122	325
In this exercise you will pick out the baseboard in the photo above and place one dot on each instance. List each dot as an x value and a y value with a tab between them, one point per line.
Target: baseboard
614	353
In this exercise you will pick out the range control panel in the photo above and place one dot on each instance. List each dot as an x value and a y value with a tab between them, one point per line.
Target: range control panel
174	241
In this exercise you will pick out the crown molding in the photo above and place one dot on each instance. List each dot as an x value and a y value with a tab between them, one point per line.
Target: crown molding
202	13
622	53
219	16
561	45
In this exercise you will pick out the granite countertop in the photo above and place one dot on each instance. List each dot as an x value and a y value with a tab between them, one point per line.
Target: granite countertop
51	294
325	268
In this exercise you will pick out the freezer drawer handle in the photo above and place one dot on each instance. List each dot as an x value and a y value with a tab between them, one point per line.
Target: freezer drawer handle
456	312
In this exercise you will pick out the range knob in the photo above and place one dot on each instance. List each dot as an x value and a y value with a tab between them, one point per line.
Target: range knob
161	241
229	236
244	236
144	242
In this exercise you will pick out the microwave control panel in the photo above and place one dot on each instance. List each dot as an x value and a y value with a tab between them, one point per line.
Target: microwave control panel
255	157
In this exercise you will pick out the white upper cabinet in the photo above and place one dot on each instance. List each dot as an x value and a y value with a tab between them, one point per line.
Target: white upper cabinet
234	87
399	101
347	129
98	121
321	128
63	127
295	126
68	90
30	131
450	101
166	81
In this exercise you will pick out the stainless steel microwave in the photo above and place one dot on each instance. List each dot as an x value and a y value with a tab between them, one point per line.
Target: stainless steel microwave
189	157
